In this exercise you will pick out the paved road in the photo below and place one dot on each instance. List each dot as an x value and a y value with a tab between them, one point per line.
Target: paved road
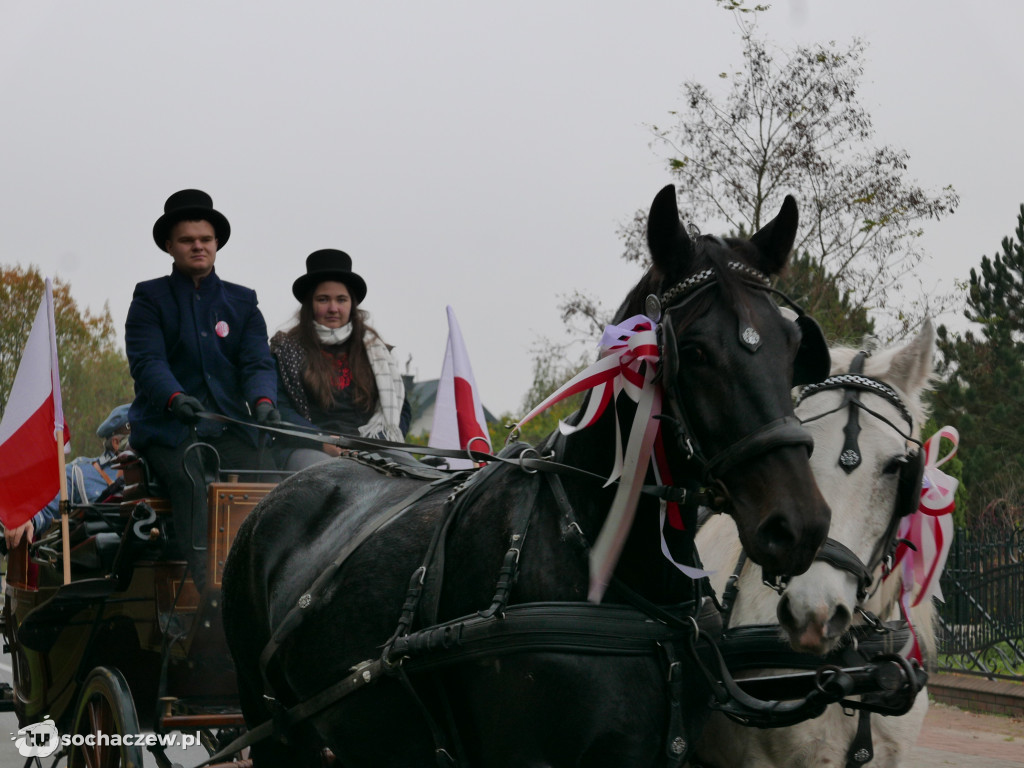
952	736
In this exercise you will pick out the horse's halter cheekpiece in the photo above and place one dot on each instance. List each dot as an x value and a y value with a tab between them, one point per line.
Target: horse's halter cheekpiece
811	365
908	490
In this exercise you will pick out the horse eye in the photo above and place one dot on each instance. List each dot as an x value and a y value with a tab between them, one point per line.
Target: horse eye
693	355
894	465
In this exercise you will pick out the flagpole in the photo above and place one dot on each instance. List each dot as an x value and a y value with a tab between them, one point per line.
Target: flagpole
64	524
58	433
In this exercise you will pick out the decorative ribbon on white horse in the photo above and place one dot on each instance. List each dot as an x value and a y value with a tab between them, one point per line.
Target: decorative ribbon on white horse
628	363
929	529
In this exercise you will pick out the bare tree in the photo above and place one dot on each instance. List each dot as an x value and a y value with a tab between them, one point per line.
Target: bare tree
791	123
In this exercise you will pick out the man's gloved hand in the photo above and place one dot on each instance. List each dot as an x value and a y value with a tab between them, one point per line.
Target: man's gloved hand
267	414
186	409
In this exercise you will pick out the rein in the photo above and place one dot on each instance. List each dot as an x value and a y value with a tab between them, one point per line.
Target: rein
529	461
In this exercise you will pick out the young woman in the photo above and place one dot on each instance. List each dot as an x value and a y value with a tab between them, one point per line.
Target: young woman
334	371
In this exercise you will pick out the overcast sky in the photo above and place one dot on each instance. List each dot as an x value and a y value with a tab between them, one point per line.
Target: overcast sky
478	154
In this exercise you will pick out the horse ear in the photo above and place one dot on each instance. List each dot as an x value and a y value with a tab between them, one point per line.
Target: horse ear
775	239
666	236
912	366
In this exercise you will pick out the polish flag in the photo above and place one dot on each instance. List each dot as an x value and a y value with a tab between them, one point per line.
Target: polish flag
458	413
33	417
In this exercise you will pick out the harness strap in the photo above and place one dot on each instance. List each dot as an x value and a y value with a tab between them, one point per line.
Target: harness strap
778	434
850	457
732	589
677	747
840	556
444	757
528	463
862	750
362	675
433	564
311	598
104	475
571	529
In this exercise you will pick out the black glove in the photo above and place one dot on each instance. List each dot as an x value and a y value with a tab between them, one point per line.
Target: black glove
267	414
186	409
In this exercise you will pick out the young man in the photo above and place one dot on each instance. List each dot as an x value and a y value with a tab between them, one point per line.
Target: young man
196	343
88	477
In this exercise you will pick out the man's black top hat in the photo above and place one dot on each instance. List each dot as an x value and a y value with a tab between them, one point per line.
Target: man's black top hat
329	264
190	205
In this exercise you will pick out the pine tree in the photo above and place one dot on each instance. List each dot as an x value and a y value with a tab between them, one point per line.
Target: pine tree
982	391
819	293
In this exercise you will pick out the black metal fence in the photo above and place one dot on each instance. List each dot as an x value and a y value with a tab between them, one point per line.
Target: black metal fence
981	623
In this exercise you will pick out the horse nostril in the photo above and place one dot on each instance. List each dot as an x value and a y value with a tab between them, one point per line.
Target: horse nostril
840	621
775	535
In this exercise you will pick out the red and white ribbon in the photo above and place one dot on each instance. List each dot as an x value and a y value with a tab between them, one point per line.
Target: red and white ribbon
929	529
628	364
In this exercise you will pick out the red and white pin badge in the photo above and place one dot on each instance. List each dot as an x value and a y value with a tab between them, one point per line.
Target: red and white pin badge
222	329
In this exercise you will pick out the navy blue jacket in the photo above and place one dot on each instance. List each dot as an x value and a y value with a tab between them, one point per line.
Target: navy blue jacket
209	342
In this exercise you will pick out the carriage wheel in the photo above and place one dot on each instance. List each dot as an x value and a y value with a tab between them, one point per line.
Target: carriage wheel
105	706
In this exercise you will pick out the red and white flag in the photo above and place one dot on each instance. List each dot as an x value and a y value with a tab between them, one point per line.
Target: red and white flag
29	463
458	413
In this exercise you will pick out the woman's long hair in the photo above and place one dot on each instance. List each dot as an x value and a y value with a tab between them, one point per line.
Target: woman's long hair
319	373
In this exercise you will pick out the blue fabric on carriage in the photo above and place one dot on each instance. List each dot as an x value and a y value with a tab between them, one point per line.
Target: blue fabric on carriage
88	477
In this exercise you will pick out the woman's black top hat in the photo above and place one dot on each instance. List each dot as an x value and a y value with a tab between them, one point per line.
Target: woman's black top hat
190	205
329	264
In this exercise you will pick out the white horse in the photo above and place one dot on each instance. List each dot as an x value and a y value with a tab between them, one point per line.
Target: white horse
867	476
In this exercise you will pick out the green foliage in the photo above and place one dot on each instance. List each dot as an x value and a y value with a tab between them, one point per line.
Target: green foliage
982	387
551	368
94	374
809	284
738	6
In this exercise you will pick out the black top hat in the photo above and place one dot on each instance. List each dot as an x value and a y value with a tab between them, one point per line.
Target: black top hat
329	264
190	205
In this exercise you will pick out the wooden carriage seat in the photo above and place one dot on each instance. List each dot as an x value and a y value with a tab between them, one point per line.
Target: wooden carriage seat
229	504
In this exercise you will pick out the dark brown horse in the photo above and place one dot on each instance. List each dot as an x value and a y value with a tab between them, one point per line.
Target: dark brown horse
728	361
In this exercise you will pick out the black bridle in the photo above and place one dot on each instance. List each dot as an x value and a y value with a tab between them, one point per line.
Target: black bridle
908	491
811	366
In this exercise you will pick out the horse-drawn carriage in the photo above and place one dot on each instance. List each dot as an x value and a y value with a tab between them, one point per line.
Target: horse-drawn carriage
547	609
129	645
